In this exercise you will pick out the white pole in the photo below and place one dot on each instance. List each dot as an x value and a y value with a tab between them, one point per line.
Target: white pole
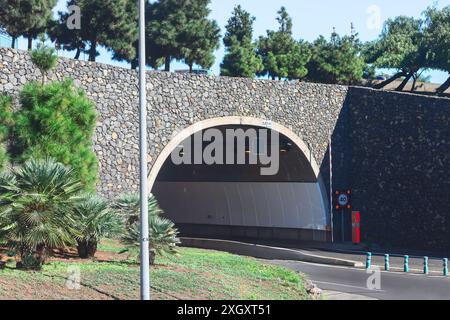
145	262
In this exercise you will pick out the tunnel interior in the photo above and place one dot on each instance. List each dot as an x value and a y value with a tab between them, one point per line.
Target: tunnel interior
237	201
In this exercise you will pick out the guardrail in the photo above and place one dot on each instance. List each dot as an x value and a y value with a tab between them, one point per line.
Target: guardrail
426	269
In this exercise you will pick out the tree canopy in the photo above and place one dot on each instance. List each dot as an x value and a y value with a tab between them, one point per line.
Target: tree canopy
241	59
181	30
337	61
110	23
282	56
437	37
26	18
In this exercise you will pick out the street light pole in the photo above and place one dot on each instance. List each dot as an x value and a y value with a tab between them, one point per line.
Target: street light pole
145	262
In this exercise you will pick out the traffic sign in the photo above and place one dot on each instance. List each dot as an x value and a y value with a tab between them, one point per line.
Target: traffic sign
342	199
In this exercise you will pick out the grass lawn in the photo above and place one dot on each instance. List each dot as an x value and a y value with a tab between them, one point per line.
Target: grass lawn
193	274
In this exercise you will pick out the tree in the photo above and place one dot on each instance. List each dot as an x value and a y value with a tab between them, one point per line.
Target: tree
6	123
25	18
111	23
337	61
44	58
282	56
35	206
201	40
437	37
180	29
241	59
57	120
400	46
93	219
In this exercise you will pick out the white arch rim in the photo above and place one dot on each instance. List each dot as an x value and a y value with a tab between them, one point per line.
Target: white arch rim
223	121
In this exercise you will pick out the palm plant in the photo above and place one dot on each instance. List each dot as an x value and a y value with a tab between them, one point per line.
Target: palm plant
127	205
163	234
93	219
36	202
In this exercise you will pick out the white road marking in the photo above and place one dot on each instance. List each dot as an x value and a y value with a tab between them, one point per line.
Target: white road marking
346	285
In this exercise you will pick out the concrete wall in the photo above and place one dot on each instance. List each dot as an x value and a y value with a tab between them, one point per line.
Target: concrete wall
274	205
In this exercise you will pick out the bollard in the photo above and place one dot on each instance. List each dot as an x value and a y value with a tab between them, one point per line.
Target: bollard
386	262
425	265
406	265
445	267
369	260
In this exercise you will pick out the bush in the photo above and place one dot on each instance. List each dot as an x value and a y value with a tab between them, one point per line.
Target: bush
58	121
6	122
93	219
163	234
36	202
128	206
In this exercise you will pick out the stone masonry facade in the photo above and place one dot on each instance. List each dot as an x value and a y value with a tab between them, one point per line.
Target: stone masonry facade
391	149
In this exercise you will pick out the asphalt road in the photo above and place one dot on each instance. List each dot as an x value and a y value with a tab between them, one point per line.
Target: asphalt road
394	285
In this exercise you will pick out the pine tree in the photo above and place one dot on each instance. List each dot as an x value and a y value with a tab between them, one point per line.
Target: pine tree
282	56
26	18
240	59
437	37
110	23
201	40
401	46
174	25
337	61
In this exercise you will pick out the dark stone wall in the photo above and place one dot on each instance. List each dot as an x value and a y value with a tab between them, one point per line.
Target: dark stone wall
399	172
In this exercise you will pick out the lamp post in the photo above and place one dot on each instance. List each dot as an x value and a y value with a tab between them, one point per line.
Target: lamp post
145	262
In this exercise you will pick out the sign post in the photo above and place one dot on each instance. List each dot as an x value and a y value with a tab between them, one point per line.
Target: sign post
342	201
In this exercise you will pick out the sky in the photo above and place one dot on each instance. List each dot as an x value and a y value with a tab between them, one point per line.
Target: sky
311	18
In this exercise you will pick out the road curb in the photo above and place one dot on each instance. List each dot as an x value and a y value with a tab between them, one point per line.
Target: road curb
265	252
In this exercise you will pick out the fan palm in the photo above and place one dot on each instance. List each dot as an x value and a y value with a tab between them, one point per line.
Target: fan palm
127	205
163	236
35	208
93	219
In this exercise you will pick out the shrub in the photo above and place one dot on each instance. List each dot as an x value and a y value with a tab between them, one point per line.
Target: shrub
128	206
36	202
58	121
93	219
6	122
163	234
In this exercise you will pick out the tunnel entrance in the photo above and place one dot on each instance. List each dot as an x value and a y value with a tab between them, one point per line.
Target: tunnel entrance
234	201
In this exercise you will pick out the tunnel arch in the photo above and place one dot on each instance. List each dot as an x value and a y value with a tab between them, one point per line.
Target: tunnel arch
282	209
232	120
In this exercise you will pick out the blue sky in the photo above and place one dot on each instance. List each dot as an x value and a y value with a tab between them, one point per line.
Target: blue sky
311	18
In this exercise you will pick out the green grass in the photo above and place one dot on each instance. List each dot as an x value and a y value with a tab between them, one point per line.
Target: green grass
193	274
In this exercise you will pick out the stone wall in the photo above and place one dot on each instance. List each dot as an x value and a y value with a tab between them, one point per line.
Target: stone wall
391	149
176	101
400	167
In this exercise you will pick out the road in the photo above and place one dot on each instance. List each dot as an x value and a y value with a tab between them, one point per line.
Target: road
394	285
